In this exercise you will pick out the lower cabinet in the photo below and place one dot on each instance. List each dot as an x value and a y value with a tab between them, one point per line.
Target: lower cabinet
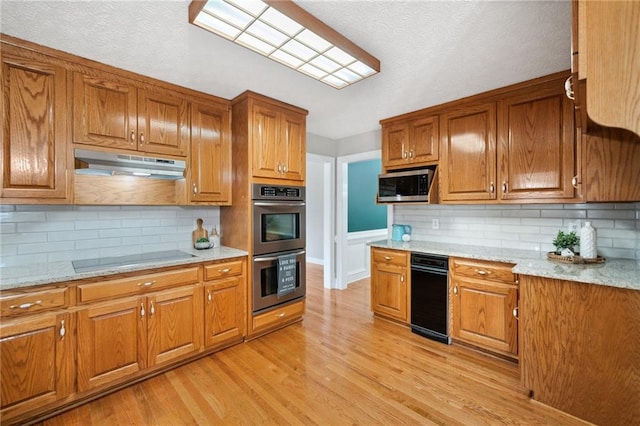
117	339
390	283
484	305
37	361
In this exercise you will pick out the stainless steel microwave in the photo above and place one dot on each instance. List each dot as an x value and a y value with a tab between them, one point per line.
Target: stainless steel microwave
405	186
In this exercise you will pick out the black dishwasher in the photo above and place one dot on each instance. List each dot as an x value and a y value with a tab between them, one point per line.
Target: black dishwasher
429	296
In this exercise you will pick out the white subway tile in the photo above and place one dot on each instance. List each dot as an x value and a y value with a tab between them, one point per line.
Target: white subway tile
119	232
97	244
22	216
45	226
23	238
98	224
44	247
73	235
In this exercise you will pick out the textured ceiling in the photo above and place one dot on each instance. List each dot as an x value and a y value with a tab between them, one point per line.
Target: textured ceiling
430	51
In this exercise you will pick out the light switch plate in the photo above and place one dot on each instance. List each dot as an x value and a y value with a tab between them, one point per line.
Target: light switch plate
574	226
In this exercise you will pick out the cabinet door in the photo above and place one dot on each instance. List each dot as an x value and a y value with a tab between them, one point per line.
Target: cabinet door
389	291
265	134
210	154
112	342
395	143
163	126
483	314
104	113
174	324
536	148
292	149
424	140
34	113
224	312
468	154
37	361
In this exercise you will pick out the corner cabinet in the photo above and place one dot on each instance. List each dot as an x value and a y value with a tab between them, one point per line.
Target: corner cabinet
484	299
390	283
34	157
410	142
114	113
210	157
276	135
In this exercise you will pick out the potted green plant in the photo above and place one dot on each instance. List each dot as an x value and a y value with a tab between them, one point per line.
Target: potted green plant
566	241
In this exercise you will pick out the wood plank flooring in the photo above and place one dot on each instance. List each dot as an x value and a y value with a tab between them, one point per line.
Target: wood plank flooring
339	366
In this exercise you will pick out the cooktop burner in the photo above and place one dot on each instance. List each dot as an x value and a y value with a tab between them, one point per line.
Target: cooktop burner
88	265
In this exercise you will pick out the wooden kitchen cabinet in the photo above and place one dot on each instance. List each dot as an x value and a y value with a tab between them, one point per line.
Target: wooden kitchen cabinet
210	158
35	155
484	299
224	292
468	154
580	351
410	143
115	114
390	283
37	358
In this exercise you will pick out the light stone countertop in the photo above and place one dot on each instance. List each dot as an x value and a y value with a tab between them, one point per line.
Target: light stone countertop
12	277
621	273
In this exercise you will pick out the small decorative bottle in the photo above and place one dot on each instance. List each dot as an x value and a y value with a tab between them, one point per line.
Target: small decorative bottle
588	242
214	238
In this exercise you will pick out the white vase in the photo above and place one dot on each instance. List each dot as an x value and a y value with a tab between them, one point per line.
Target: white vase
588	242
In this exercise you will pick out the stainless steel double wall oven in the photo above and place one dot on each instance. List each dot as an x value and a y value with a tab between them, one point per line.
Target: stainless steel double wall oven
279	229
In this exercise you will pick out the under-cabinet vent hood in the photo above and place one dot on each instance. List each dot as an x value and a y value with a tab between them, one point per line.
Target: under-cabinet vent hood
107	163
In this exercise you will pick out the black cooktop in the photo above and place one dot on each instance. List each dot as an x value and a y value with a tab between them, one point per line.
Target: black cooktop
89	265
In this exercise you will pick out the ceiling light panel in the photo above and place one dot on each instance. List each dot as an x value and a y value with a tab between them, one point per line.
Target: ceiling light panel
288	34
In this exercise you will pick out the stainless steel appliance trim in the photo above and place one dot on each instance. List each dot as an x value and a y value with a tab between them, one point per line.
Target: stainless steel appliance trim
278	204
415	172
272	258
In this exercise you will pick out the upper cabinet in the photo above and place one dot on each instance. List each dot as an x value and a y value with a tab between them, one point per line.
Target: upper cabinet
118	115
410	142
210	157
274	134
34	155
606	51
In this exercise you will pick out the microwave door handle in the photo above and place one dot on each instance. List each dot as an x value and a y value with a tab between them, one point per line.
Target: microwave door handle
266	204
272	258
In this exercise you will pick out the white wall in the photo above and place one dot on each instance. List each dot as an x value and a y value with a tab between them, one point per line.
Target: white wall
523	226
364	142
315	212
34	234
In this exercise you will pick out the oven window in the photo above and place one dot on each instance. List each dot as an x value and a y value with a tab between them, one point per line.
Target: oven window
280	226
269	280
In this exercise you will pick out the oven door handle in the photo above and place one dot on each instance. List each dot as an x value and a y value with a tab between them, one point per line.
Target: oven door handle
272	258
278	204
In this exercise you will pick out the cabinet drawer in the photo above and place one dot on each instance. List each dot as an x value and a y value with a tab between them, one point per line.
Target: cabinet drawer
391	257
283	315
483	270
33	301
136	284
223	270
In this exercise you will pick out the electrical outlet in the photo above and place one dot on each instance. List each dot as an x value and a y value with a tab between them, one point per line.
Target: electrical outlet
435	223
574	226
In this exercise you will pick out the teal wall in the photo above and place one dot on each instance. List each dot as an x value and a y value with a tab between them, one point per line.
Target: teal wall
363	213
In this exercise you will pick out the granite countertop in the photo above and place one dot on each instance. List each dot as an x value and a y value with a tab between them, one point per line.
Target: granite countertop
621	273
12	277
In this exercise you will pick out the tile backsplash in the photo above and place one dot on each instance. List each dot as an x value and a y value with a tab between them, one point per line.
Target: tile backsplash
525	226
47	233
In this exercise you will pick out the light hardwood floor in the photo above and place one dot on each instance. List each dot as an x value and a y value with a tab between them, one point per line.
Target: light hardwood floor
339	366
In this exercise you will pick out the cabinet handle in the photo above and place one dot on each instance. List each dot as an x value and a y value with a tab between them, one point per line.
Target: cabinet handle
402	278
404	153
224	271
285	169
455	290
505	187
482	272
574	182
410	153
209	296
147	284
152	309
142	310
141	137
133	136
568	88
26	305
515	313
388	258
63	330
280	315
279	168
195	188
492	188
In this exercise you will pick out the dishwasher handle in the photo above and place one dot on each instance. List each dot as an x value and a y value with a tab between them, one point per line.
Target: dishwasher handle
436	271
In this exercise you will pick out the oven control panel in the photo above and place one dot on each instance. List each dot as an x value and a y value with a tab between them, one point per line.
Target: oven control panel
274	192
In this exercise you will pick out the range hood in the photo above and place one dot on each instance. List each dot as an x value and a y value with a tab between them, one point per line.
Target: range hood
108	163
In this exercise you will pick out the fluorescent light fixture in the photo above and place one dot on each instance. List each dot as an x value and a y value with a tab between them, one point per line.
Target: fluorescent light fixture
286	33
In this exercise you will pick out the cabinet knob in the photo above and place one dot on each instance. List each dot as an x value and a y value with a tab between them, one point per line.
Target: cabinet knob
195	189
141	137
455	290
568	88
574	182
63	330
209	298
515	313
402	278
